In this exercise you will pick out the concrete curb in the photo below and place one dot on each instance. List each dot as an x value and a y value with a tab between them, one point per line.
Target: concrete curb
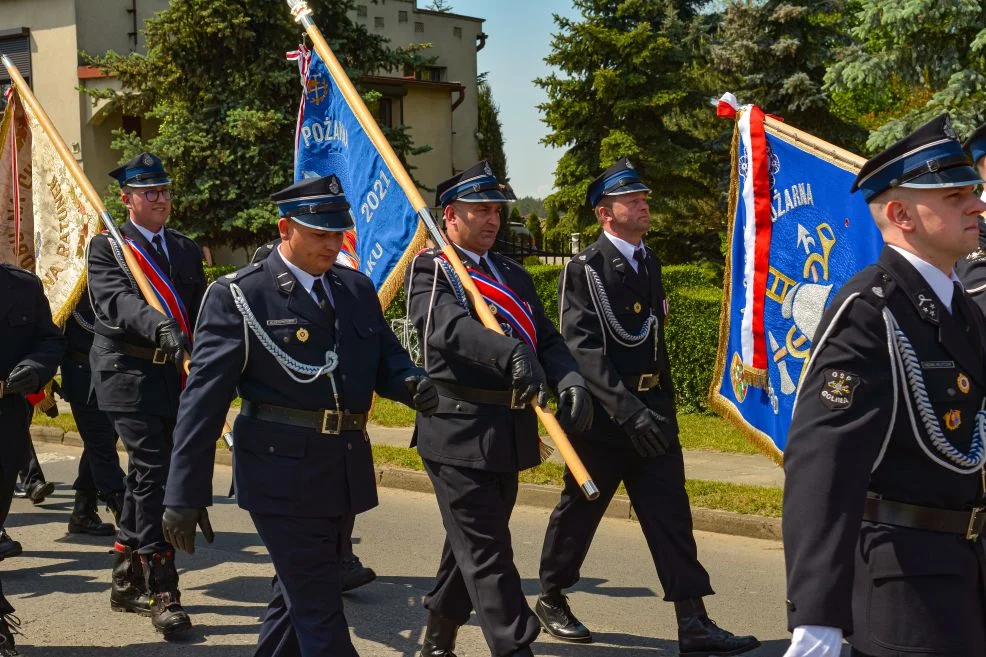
707	520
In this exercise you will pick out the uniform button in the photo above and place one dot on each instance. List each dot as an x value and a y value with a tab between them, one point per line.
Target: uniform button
270	449
343	377
287	339
349	446
458	407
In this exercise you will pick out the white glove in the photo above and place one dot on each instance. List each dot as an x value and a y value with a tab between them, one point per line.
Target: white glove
815	641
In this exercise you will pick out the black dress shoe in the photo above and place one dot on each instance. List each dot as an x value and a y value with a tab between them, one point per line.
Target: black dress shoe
9	625
558	620
19	490
439	637
699	636
354	574
8	546
39	490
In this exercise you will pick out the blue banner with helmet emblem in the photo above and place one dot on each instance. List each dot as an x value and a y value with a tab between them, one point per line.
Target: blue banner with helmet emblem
330	140
783	272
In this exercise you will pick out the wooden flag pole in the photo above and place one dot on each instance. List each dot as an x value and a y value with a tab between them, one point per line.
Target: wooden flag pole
302	14
25	93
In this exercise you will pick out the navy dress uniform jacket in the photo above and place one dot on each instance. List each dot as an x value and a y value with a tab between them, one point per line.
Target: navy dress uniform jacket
458	349
126	383
26	331
603	361
857	431
281	469
972	271
76	386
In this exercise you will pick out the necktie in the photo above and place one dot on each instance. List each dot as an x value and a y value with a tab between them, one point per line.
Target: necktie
159	255
484	267
325	305
639	256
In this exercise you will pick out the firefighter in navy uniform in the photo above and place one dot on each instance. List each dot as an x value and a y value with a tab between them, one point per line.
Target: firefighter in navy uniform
484	431
613	311
971	269
32	349
305	345
354	573
100	476
135	360
884	483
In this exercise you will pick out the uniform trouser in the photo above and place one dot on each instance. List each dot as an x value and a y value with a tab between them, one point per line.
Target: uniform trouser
346	525
477	570
15	446
99	467
656	487
148	441
305	617
31	468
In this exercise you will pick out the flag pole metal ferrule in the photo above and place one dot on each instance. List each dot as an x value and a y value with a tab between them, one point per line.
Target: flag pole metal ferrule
302	14
86	186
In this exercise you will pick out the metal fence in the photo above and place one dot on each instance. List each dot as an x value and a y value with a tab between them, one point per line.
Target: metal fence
549	251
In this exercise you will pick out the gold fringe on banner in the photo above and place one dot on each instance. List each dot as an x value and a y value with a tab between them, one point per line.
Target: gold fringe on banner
395	280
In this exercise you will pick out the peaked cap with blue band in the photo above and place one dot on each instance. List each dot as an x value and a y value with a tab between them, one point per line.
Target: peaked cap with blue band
976	144
317	203
145	170
621	178
477	184
931	157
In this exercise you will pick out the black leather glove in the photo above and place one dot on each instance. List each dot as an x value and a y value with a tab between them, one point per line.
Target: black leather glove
23	380
575	409
527	379
170	340
424	394
179	524
645	433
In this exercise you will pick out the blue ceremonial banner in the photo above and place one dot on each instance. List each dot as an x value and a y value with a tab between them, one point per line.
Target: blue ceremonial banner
330	139
796	236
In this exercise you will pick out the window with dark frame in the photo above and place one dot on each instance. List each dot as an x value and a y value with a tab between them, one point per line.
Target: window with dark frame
361	11
378	21
402	16
16	44
419	26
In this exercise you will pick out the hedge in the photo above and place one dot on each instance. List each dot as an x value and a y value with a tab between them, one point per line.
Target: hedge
694	298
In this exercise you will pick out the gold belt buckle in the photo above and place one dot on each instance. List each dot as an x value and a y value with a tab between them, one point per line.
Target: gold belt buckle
647	381
976	521
3	388
331	431
159	357
514	404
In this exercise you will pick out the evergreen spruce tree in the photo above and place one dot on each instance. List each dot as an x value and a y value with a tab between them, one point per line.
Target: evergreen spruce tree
491	131
534	226
911	60
216	81
630	82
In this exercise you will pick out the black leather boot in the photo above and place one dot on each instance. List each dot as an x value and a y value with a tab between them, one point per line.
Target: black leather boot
354	574
558	620
114	504
167	616
439	637
8	546
9	626
85	519
128	592
698	636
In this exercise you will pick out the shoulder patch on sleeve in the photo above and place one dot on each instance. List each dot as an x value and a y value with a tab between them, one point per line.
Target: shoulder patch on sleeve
838	389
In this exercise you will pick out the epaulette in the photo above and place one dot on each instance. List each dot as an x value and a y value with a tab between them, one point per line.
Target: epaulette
344	271
587	253
976	256
19	271
241	273
511	260
876	289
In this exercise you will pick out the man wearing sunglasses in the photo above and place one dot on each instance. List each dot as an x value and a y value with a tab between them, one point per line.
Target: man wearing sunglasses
135	358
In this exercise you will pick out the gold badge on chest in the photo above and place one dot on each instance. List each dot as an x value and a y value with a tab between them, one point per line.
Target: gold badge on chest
953	419
637	307
962	382
302	334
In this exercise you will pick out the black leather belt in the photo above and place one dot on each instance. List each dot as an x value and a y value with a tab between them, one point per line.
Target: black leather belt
156	356
478	395
324	421
642	382
967	523
77	356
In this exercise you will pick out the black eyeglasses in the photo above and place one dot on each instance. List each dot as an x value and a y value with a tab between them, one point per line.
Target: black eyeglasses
152	195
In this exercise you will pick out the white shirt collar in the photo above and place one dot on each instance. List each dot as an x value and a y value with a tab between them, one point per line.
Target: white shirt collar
149	236
304	278
625	248
940	284
478	258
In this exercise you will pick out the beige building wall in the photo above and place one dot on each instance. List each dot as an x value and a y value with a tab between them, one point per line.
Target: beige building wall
453	41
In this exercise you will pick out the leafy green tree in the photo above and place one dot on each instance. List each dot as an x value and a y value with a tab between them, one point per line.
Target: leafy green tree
630	81
515	215
775	53
529	204
909	61
491	131
215	81
534	226
439	5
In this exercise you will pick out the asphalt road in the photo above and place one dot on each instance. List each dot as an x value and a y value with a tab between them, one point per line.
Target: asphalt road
60	585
